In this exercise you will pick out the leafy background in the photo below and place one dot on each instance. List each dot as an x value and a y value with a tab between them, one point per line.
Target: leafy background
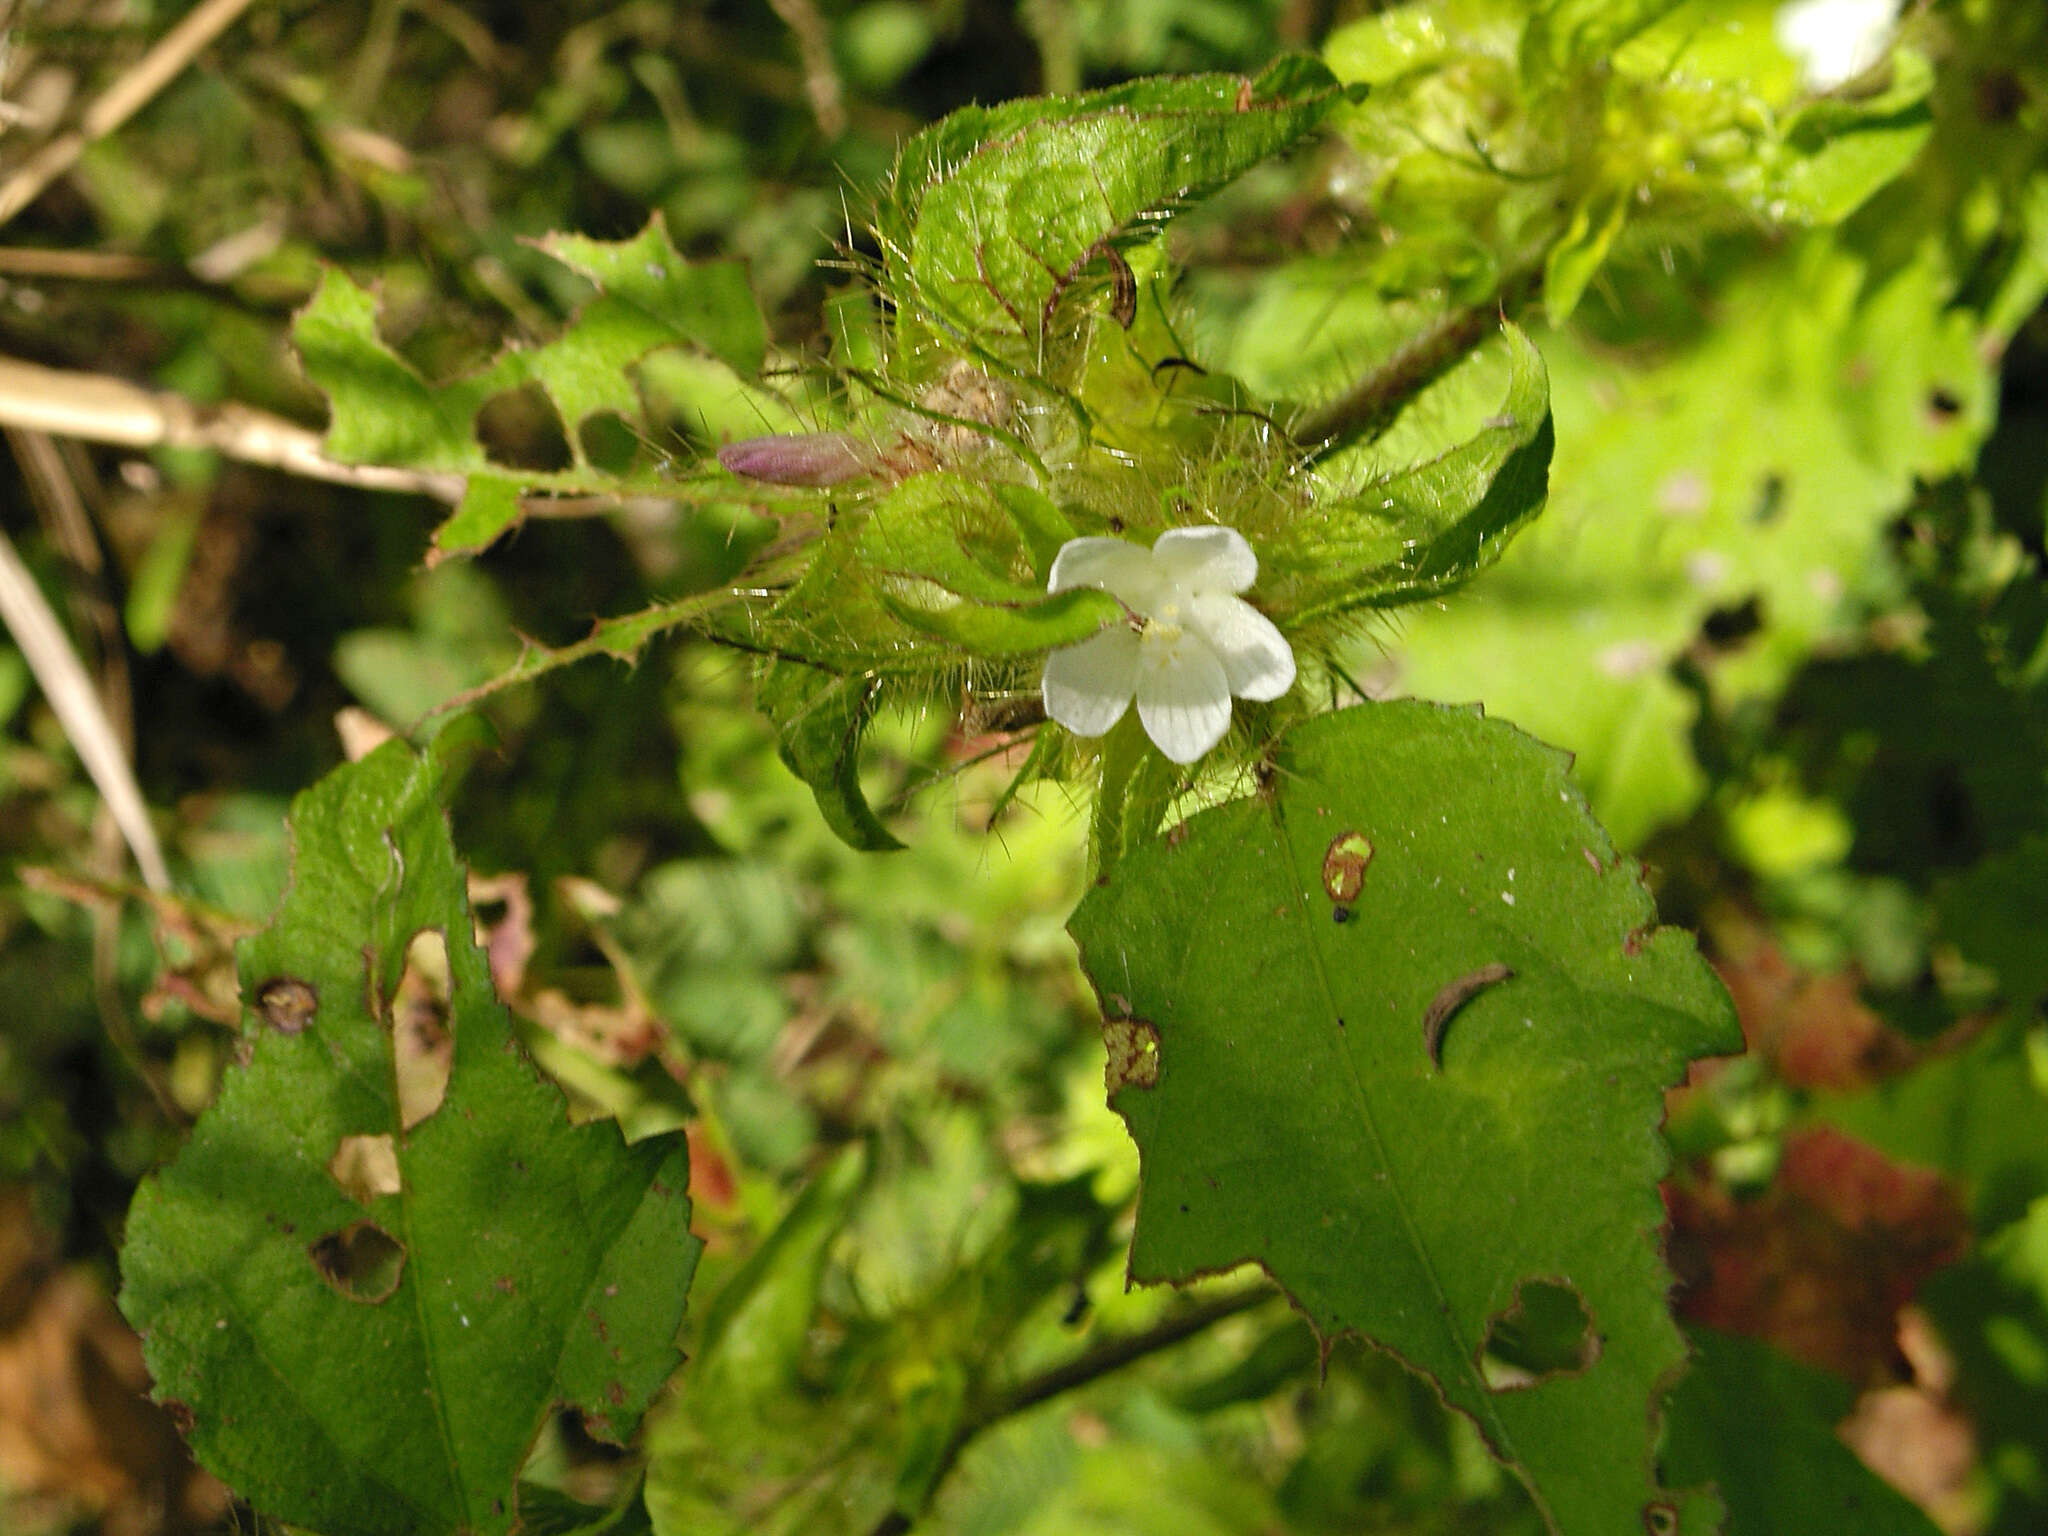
1785	607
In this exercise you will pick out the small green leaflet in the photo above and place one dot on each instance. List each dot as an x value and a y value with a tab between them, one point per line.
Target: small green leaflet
364	1302
1410	871
648	298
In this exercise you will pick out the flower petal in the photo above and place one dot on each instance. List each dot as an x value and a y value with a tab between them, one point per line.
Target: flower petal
1256	659
1206	559
1119	568
1088	686
1183	694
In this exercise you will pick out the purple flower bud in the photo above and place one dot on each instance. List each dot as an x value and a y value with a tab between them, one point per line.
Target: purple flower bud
792	458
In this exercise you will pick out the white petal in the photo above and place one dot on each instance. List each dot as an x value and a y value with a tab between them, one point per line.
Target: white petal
1258	662
1088	686
1206	559
1117	567
1183	695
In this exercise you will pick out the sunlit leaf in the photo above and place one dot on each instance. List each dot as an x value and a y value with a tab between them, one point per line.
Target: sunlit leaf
1418	884
1000	211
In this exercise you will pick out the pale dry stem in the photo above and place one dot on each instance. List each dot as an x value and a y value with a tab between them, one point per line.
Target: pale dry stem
162	64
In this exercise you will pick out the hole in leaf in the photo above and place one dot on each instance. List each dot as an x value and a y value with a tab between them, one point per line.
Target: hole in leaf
287	1004
1546	1333
365	1167
609	442
1728	627
1770	499
420	1043
520	430
362	1261
1660	1519
1344	866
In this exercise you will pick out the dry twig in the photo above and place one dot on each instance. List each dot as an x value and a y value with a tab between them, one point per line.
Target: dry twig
61	676
120	101
102	409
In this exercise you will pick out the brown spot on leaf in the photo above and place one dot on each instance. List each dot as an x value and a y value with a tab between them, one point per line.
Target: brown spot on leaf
1133	1047
365	1167
422	1048
1344	866
1453	996
287	1004
362	1262
1660	1519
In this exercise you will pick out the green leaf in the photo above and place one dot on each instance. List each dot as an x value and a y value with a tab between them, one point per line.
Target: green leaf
1291	954
1065	618
649	299
1565	35
819	720
1799	1477
383	412
366	1300
650	296
1432	527
996	213
1993	912
1578	255
944	528
1836	154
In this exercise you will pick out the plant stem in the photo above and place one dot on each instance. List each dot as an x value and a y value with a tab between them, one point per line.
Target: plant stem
1111	1354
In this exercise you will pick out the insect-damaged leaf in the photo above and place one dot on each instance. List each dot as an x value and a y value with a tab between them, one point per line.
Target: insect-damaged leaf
994	213
648	298
385	1255
1299	1121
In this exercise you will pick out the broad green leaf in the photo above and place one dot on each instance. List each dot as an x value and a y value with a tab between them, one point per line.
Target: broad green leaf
819	721
1000	211
1426	530
1412	869
1796	1478
1667	506
367	1298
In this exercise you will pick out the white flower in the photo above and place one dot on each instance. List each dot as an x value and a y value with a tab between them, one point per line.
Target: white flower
1835	40
1190	644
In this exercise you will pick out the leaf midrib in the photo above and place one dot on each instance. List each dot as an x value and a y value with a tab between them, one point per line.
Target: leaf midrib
1496	1428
